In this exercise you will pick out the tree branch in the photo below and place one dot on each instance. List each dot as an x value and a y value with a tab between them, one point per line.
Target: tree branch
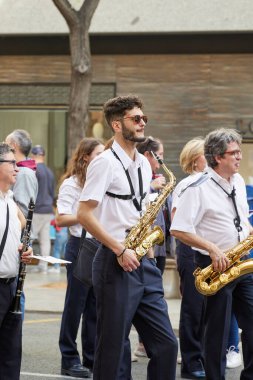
67	12
87	10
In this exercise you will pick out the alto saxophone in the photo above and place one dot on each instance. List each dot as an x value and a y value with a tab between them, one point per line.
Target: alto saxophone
141	238
209	282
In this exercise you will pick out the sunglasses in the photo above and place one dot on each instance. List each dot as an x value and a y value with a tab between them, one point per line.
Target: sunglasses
137	118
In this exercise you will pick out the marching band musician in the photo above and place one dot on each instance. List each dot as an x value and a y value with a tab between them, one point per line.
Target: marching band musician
11	222
212	217
127	291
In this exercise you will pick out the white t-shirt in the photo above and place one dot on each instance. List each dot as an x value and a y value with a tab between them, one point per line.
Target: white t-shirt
206	210
68	202
105	173
9	262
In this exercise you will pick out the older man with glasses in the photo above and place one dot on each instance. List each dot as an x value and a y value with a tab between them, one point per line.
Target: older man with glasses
11	222
212	217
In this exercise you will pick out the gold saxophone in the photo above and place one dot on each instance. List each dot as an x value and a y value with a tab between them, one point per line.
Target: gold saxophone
141	237
209	282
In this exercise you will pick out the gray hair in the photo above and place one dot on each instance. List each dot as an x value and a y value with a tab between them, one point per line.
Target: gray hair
22	139
216	143
5	149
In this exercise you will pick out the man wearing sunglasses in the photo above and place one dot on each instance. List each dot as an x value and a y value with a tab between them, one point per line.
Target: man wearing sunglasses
127	291
11	222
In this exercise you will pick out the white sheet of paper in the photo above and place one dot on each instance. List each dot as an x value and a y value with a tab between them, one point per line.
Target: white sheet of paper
51	259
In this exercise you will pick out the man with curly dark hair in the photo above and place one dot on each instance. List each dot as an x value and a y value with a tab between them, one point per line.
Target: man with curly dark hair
127	291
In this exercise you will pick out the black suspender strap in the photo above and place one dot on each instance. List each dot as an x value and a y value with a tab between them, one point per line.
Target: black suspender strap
132	196
5	232
237	219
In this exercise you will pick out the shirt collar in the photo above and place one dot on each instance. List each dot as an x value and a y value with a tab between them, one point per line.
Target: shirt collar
6	195
125	159
220	179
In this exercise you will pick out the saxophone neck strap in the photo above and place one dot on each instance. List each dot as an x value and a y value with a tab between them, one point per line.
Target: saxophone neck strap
232	195
5	232
138	205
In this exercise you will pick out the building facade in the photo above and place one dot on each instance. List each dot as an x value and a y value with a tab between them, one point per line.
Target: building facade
190	63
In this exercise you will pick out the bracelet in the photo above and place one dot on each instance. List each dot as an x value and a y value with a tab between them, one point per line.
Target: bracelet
122	253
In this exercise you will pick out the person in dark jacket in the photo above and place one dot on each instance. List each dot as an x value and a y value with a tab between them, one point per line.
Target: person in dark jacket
43	212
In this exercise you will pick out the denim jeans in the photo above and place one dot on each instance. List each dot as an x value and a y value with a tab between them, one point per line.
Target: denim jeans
61	238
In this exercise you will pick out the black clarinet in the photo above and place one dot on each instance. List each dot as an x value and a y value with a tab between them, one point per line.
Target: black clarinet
16	305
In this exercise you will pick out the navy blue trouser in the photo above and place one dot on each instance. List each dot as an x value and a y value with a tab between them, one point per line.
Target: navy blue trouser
10	335
191	313
124	298
79	302
237	295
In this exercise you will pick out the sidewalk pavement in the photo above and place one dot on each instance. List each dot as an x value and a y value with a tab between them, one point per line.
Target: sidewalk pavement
46	293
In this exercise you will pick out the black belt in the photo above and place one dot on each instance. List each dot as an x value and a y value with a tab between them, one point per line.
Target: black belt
7	280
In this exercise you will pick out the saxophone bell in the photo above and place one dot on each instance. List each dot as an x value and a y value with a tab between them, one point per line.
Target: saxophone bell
141	237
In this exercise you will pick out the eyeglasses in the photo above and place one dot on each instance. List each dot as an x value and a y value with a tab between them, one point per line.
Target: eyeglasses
13	162
235	153
137	118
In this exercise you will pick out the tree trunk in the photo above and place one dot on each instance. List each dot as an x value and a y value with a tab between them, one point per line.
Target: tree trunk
78	117
78	23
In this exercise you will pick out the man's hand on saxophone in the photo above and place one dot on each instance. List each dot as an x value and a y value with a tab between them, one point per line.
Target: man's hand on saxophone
219	260
127	260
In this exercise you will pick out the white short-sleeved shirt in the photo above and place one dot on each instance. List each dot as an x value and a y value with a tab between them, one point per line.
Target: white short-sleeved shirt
181	186
68	202
206	210
9	262
105	173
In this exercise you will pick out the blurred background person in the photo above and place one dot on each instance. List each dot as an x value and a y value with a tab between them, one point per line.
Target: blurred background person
43	212
192	162
80	300
26	185
60	237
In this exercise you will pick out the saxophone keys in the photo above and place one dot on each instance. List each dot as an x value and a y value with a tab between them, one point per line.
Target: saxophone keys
223	278
235	271
213	288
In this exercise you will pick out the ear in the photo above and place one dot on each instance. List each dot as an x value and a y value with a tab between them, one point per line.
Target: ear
146	154
116	126
218	159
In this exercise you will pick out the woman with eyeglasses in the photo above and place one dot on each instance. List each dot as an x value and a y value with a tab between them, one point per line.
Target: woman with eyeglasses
80	300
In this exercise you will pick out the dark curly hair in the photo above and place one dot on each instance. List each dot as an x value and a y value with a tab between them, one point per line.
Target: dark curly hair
150	144
116	108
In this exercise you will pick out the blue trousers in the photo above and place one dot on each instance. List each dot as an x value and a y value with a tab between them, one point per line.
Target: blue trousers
124	298
60	241
79	302
191	326
237	295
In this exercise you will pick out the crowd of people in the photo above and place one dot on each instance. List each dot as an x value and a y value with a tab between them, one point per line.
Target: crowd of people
105	193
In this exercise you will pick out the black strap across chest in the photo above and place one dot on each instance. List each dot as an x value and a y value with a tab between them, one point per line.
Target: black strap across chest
237	219
5	232
138	205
